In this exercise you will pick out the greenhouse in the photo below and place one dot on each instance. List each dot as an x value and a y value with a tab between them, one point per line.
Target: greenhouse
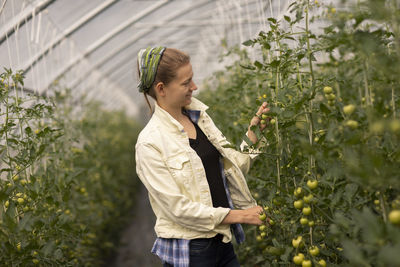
286	154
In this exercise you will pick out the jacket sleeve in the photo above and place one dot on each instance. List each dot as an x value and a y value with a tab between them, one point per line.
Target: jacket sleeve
156	177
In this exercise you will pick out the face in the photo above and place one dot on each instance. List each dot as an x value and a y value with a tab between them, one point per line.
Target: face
178	92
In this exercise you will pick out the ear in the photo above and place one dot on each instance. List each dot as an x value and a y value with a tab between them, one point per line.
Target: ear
160	89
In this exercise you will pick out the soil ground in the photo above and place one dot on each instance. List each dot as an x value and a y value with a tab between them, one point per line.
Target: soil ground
137	240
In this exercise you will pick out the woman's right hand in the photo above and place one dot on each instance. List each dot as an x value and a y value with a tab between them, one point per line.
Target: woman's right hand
247	216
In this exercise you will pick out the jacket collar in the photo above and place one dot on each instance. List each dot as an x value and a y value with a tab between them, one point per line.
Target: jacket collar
195	106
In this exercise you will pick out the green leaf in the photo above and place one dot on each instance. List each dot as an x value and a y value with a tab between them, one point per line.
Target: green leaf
353	253
26	222
258	64
248	43
275	63
287	18
324	108
350	191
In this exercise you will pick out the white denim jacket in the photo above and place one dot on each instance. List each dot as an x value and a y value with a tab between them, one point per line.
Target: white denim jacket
176	181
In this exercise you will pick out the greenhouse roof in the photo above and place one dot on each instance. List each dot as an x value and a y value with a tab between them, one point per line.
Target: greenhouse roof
90	46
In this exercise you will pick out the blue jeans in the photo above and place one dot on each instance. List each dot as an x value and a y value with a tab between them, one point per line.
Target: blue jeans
211	252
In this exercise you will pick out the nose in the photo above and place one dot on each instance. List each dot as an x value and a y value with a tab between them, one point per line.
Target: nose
193	87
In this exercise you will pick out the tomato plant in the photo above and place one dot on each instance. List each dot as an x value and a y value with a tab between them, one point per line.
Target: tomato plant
65	177
328	171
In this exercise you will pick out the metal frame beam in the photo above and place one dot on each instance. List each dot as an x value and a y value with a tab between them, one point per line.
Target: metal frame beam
108	37
66	33
22	18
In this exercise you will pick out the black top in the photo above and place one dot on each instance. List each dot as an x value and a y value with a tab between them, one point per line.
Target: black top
210	157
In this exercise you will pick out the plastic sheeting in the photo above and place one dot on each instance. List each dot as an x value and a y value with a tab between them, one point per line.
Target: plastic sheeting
90	46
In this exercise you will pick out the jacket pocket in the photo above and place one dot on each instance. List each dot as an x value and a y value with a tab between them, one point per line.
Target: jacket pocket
180	168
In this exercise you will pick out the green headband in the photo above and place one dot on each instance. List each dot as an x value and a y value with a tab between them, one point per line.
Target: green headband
149	59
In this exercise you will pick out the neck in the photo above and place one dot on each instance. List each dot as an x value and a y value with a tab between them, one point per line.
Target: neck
175	112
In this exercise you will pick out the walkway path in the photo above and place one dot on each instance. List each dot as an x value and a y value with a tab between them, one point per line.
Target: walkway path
138	238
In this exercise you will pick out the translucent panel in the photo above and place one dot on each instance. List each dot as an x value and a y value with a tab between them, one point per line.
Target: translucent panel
91	46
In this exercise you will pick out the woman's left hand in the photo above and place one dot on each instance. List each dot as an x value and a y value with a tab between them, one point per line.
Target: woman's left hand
256	120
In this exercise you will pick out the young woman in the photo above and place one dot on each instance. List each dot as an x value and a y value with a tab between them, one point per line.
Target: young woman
196	186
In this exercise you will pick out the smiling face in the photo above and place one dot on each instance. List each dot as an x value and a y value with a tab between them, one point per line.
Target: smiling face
178	92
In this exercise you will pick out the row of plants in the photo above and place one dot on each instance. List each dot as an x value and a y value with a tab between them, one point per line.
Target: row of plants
67	177
327	176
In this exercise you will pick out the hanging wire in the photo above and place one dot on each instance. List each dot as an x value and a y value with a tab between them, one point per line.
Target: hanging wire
2	6
35	89
8	42
270	8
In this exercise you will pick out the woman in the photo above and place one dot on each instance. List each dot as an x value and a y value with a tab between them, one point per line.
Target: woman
196	185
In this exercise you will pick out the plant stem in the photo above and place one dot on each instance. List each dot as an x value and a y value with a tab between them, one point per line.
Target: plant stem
383	207
279	145
6	133
368	96
309	115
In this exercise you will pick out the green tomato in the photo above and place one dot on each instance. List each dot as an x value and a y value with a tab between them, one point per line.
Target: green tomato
264	116
308	199
322	263
306	210
262	217
298	192
314	250
352	124
262	227
298	204
328	90
296	242
272	121
330	97
306	263
303	221
311	223
349	109
394	217
298	259
394	126
312	184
